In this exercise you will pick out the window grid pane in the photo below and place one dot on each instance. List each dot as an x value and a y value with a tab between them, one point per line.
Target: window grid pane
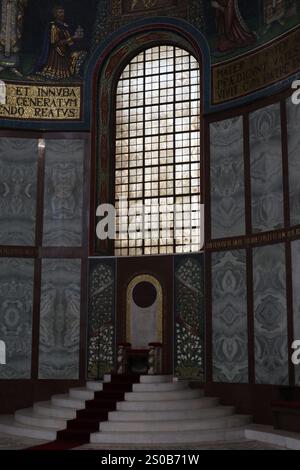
158	154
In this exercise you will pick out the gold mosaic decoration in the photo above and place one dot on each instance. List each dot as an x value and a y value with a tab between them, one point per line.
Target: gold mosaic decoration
40	102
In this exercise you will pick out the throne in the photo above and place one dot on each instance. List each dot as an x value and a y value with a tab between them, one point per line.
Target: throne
139	361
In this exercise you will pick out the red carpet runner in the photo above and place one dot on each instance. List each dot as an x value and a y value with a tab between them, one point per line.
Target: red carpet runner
87	420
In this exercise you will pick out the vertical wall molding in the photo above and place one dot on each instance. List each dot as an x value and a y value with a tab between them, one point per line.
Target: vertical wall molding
290	309
36	319
247	173
285	164
207	182
250	305
208	322
38	262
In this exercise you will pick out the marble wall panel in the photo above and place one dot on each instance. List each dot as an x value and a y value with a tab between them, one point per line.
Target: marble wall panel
18	186
229	317
63	197
266	169
60	319
16	305
270	315
293	126
227	178
296	297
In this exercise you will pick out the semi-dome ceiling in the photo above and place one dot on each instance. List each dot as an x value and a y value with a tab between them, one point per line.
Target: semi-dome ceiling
236	26
231	27
248	47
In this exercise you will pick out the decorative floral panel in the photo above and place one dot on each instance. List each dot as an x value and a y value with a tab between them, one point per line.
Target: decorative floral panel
101	319
189	316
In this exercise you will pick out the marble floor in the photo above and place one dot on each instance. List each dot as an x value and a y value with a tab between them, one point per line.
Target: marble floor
18	443
8	442
240	445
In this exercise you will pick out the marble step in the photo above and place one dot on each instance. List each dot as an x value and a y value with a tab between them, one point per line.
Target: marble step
164	404
106	378
164	396
67	402
176	426
212	412
30	417
120	378
82	393
154	379
9	426
94	385
46	408
276	437
160	387
158	438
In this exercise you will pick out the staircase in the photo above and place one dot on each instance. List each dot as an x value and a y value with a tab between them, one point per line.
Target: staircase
128	410
70	417
96	409
161	411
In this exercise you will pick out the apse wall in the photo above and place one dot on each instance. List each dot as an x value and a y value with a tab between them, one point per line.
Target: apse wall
58	326
43	234
252	259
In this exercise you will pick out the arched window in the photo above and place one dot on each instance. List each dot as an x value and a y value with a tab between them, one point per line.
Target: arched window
157	153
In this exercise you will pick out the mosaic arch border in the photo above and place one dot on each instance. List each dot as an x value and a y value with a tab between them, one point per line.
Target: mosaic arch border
197	40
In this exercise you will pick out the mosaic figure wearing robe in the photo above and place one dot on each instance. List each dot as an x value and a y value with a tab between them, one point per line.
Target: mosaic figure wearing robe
12	15
274	11
59	60
232	31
